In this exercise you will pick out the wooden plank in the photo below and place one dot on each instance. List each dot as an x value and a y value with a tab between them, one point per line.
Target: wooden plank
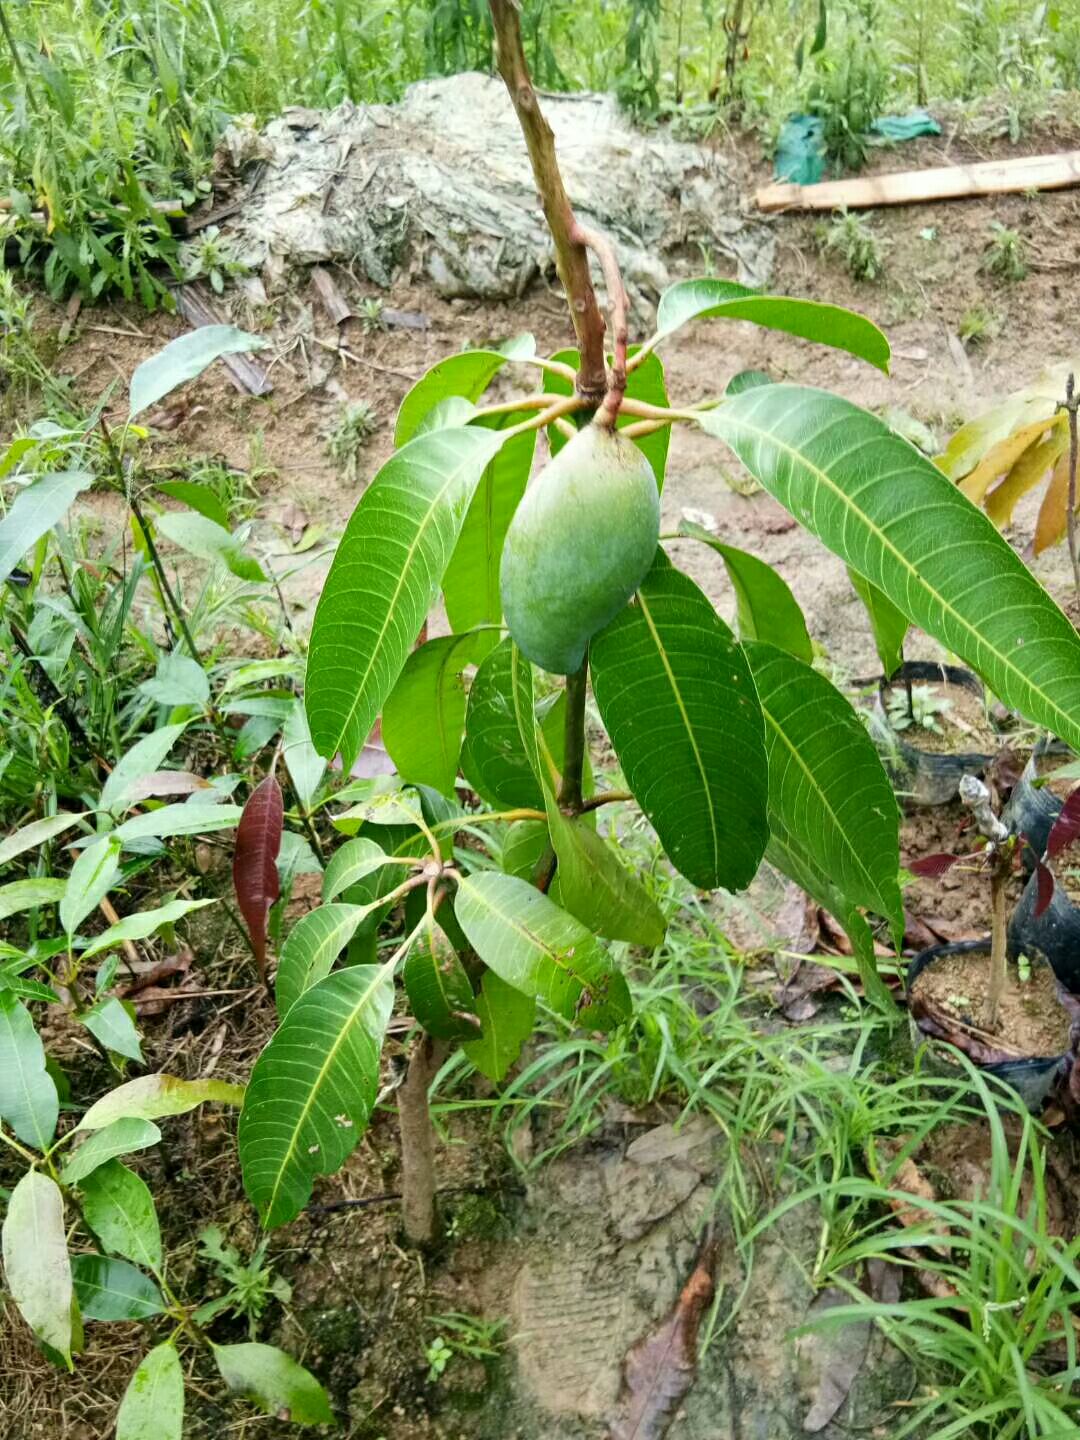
945	182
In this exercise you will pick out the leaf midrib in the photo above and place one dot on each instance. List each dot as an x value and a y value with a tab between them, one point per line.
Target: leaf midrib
557	959
771	438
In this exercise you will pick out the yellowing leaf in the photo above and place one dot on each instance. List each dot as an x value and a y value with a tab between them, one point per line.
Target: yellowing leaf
1000	459
1053	513
1029	470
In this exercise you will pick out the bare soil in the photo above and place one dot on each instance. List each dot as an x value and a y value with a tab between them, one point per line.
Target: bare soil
1032	1019
962	726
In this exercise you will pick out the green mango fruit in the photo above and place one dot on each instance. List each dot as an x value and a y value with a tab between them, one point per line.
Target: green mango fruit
579	545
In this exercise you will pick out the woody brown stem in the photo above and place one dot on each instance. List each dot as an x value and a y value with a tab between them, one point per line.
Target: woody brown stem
571	255
620	307
418	1212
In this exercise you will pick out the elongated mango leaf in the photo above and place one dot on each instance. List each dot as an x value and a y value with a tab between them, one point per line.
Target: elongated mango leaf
1030	470
112	1023
597	888
305	765
495	759
118	1207
255	874
122	1137
888	624
1001	458
36	1264
767	610
350	864
678	702
183	359
139	926
151	1097
646	383
153	1403
440	995
471	582
180	819
466	375
179	680
827	784
29	837
22	895
524	847
29	1103
423	719
1053	519
274	1382
35	511
892	515
312	1089
541	950
313	944
197	497
809	319
113	1290
506	1017
92	877
208	540
385	576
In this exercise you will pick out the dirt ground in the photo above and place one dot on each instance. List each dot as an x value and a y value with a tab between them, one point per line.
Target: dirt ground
587	1256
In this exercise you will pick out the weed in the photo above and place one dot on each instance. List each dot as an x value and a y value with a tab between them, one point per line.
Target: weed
371	315
850	237
925	709
212	256
354	428
980	323
251	1286
848	93
1005	256
469	1335
438	1355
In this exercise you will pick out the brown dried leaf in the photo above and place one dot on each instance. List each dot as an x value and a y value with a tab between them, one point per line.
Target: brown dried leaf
1053	512
1028	471
294	520
255	876
1000	459
660	1368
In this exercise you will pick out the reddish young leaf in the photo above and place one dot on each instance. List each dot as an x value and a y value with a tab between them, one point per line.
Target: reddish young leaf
660	1368
1066	827
255	877
932	867
1044	887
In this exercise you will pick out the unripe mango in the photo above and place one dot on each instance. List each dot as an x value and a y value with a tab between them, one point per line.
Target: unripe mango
579	545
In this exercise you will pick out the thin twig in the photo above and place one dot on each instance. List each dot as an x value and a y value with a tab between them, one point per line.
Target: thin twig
1070	406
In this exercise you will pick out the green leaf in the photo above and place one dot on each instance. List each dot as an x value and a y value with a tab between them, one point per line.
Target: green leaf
274	1382
29	894
471	582
169	820
92	877
113	1290
112	1023
207	540
144	757
827	787
494	758
809	319
355	859
122	1137
120	1211
507	1018
29	837
305	765
767	610
541	950
889	625
467	375
423	719
144	923
35	511
36	1262
646	383
312	1089
440	995
153	1403
314	943
891	515
150	1097
196	497
183	359
29	1104
597	888
179	681
678	702
524	847
384	578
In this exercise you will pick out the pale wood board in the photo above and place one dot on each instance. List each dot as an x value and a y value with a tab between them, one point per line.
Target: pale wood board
944	182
